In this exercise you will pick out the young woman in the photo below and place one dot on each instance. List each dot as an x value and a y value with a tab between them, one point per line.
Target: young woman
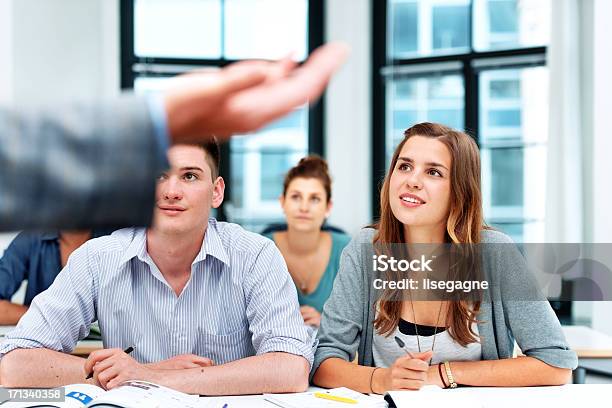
312	255
431	195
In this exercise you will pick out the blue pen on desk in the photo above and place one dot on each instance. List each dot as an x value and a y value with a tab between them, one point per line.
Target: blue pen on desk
225	405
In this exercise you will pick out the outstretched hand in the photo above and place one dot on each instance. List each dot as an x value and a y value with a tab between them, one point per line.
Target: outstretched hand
245	96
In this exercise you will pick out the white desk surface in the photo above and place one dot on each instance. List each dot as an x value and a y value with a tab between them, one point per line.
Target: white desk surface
570	396
588	343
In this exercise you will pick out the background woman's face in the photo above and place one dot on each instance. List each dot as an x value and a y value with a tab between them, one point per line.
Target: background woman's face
305	204
420	188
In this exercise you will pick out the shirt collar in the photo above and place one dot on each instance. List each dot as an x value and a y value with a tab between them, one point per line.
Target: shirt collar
137	247
49	235
212	246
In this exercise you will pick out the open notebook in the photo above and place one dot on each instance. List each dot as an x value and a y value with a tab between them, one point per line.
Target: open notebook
130	394
310	400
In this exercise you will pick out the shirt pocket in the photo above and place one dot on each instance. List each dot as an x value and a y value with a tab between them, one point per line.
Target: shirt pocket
224	348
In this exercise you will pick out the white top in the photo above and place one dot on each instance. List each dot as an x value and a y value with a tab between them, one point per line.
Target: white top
385	350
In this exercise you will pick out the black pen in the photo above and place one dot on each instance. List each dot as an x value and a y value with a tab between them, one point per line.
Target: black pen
403	346
126	351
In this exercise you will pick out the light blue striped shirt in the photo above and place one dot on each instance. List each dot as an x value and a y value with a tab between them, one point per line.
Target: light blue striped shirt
239	301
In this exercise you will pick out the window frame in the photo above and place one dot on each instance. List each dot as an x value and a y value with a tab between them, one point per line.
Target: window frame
472	63
132	65
496	59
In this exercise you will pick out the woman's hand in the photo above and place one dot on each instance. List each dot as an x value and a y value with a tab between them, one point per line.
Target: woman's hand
311	316
406	373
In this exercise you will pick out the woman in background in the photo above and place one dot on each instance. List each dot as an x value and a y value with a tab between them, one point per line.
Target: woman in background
312	255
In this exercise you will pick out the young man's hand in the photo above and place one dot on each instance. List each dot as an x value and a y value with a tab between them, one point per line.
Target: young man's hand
182	362
111	367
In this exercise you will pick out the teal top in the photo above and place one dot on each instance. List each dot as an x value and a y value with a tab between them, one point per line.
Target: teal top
319	296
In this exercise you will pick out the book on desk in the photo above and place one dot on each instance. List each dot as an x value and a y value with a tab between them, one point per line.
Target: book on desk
130	394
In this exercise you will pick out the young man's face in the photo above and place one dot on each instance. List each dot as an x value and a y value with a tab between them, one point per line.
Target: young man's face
186	192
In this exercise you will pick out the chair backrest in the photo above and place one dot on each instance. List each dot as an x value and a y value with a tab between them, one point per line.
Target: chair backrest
283	227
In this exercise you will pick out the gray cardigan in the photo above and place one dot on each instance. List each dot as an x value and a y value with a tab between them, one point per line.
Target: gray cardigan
347	320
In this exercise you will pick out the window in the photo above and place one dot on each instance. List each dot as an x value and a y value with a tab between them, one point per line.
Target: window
476	65
163	38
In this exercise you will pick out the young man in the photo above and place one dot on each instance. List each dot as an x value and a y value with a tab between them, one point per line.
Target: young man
208	307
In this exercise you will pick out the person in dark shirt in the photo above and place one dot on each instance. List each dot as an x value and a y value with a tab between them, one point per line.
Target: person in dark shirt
38	258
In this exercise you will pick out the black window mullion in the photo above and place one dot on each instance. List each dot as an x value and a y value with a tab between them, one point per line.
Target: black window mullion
316	114
379	59
126	21
469	73
470	110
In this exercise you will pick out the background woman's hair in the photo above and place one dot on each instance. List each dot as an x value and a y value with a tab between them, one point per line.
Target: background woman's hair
464	225
312	166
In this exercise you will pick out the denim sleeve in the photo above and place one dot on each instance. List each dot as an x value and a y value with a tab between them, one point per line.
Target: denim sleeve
60	316
13	265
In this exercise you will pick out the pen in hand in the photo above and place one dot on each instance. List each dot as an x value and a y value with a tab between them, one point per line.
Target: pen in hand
402	345
126	351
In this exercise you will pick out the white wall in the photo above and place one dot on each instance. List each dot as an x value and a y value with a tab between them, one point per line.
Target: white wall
6	49
57	50
62	51
348	115
599	101
6	74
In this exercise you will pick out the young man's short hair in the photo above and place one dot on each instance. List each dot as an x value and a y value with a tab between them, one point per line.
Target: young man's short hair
213	156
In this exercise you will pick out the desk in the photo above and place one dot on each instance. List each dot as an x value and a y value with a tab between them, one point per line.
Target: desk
570	396
594	350
83	347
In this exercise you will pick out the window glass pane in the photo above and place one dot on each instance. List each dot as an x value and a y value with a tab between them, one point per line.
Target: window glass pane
514	230
513	112
521	231
405	27
259	163
513	106
412	100
514	183
177	28
428	27
150	84
274	164
502	24
266	28
450	28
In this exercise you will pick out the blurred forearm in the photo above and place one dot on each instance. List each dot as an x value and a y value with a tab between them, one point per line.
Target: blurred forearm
10	313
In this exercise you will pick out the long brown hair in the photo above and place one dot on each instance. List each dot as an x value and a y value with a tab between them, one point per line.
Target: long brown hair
463	226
